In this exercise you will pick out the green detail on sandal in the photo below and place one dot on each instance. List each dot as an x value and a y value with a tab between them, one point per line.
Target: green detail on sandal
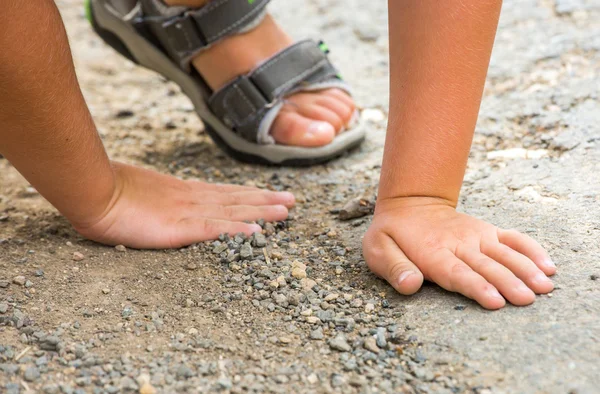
324	47
88	10
251	2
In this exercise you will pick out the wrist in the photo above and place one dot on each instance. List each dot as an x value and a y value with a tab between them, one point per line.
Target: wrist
385	204
87	212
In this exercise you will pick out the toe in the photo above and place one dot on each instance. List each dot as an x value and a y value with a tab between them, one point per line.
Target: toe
291	128
343	110
322	113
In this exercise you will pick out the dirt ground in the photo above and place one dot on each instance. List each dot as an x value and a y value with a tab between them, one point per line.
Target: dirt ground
78	317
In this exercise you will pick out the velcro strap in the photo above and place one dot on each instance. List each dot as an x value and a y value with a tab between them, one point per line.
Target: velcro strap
242	103
184	35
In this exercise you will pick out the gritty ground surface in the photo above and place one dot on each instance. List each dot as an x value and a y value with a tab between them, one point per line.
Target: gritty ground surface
89	318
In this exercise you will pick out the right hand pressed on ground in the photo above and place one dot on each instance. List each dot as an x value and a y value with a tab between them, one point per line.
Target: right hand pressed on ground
151	210
416	238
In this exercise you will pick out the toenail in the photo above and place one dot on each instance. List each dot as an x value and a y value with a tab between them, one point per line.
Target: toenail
403	276
318	127
541	278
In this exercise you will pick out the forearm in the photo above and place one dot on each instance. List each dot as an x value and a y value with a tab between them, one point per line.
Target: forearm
439	55
46	130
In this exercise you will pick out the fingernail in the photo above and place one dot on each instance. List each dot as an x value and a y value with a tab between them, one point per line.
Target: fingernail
541	278
403	276
494	293
549	263
318	127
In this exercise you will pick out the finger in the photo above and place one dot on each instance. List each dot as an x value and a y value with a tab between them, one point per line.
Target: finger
451	273
241	213
221	187
193	230
529	247
246	198
521	266
511	287
386	260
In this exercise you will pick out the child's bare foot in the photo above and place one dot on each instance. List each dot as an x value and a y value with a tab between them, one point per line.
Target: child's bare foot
308	119
151	210
416	238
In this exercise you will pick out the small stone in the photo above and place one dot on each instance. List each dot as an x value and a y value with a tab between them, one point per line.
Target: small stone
339	270
127	312
3	307
594	277
106	291
193	332
317	334
4	284
189	303
312	378
460	307
147	388
371	345
340	343
274	284
331	297
307	284
184	372
260	241
120	248
298	273
356	303
78	256
31	374
285	340
307	312
356	208
246	252
51	389
19	280
313	320
191	267
369	308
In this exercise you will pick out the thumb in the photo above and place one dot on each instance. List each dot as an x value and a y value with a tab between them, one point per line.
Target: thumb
385	258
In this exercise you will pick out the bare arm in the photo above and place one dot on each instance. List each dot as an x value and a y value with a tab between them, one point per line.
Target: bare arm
440	51
47	133
46	130
439	55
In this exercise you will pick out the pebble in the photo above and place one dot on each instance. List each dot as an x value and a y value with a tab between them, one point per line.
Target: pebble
77	256
246	252
331	297
340	343
147	388
4	284
106	291
31	374
317	334
120	248
356	208
191	267
594	277
298	273
259	240
3	307
313	320
19	280
371	345
307	284
369	307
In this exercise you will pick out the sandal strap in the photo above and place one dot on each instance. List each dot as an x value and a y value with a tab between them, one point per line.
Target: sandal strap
189	32
243	103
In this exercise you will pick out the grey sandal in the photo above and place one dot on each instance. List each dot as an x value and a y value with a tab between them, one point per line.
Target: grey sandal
239	115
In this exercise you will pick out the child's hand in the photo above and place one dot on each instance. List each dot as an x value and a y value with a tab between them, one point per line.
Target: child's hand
151	210
416	238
